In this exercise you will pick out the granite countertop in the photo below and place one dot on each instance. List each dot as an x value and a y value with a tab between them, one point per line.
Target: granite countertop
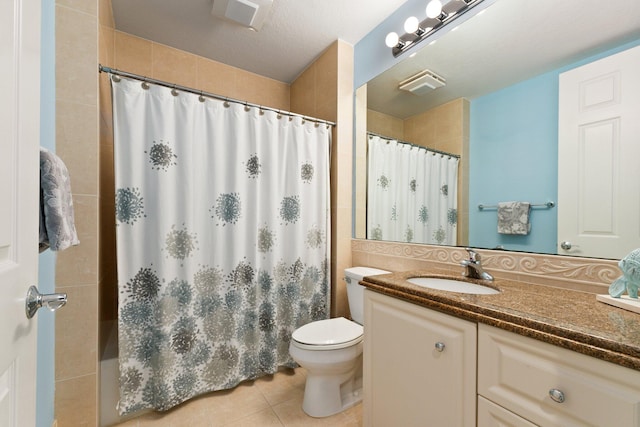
567	318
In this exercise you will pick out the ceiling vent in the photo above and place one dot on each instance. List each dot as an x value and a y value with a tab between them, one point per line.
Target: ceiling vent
423	82
249	13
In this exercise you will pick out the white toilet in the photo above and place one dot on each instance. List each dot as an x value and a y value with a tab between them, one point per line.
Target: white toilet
331	352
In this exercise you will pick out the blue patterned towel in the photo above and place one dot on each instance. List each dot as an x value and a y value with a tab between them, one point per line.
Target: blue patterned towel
57	227
513	218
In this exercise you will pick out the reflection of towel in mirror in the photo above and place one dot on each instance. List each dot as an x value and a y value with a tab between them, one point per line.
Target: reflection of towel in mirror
513	218
57	228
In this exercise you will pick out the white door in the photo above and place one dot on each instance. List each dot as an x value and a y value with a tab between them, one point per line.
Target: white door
598	157
19	175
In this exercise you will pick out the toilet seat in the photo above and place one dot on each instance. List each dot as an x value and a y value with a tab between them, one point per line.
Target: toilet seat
329	334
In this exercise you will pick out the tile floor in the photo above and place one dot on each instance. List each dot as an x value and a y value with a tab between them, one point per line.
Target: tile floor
270	401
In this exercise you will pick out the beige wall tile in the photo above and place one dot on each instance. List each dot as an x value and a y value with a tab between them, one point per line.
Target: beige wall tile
78	265
133	54
76	56
342	173
80	43
216	77
386	125
106	46
303	92
77	333
106	114
77	145
326	76
262	90
105	13
75	402
89	7
173	65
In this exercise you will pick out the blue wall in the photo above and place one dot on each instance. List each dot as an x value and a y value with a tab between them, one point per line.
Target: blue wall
45	380
513	156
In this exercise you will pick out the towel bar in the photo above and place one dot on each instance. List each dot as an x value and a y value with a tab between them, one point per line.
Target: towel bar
547	205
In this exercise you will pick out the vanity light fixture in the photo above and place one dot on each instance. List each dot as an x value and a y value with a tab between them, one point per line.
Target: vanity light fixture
438	15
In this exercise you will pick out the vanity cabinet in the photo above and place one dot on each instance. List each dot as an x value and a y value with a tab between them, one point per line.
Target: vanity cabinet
419	366
546	385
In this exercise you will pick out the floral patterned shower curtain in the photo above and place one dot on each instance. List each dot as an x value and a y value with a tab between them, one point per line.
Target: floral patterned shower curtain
412	193
222	241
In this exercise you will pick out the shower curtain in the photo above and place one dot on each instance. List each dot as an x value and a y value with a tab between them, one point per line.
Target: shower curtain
222	240
412	193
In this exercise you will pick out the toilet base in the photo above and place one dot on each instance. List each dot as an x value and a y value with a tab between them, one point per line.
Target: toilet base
326	395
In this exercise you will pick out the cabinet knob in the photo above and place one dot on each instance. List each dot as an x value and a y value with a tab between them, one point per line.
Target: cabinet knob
440	346
556	395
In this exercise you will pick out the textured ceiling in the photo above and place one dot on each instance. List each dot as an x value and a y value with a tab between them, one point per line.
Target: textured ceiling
294	34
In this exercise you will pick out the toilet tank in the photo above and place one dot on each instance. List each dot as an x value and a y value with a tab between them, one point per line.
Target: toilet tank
355	291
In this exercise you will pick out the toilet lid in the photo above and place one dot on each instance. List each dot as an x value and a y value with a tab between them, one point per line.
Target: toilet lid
328	332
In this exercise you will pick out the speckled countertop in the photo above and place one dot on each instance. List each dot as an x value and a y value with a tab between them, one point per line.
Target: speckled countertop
566	318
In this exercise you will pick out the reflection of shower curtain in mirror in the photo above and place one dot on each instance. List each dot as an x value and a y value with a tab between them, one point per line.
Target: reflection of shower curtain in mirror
412	193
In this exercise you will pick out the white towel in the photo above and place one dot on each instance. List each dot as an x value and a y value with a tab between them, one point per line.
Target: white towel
513	218
57	227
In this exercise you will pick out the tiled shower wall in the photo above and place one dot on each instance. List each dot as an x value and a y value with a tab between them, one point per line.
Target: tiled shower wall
76	344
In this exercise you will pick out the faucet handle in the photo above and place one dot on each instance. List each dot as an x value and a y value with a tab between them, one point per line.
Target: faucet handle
473	255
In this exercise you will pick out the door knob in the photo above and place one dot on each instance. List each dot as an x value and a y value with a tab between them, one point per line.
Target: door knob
35	300
565	245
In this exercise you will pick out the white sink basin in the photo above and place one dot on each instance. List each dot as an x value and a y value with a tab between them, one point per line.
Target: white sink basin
452	285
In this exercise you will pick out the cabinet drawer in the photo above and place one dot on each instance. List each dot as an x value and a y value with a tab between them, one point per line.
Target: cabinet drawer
492	415
518	374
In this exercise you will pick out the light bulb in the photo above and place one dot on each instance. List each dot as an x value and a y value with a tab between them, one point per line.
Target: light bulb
434	9
392	39
411	24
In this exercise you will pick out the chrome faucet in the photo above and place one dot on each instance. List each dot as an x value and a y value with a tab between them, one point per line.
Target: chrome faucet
473	266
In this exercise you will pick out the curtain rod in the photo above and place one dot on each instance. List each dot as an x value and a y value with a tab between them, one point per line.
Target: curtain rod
103	69
457	156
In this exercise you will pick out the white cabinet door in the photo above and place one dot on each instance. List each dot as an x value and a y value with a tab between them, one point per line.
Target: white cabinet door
19	141
419	366
598	152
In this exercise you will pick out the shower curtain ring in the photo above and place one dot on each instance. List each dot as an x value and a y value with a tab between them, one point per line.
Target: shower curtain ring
226	103
201	98
279	116
174	91
145	85
115	78
246	107
260	111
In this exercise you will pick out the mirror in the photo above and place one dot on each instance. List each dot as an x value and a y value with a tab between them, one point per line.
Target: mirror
515	46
